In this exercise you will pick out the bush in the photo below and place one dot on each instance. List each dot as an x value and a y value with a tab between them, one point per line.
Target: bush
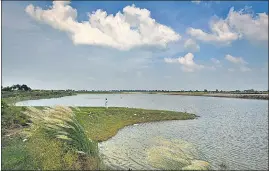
15	155
59	123
11	116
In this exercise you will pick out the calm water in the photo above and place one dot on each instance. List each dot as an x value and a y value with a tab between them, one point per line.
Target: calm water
233	132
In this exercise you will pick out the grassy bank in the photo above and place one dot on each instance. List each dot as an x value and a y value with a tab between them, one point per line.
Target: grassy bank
102	124
46	151
16	96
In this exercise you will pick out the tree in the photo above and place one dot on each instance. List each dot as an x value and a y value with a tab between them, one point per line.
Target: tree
7	88
217	90
205	90
25	88
16	87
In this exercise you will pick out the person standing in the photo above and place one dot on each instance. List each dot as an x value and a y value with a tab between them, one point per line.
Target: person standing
106	103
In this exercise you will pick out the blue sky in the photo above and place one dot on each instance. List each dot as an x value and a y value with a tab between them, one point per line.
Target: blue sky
151	45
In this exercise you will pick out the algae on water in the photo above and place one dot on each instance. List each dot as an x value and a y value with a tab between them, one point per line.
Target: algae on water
175	155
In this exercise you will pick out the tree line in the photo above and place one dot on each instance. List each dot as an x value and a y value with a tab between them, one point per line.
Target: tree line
19	87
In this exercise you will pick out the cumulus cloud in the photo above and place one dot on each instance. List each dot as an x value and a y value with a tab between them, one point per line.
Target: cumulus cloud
236	60
241	63
236	26
124	30
253	27
221	33
191	45
216	64
187	62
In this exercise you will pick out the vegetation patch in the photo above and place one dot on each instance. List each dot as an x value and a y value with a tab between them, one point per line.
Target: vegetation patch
63	138
16	93
101	123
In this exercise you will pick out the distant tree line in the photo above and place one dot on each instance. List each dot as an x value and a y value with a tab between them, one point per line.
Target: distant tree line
24	87
19	87
250	91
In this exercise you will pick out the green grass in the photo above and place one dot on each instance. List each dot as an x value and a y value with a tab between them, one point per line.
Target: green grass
11	117
15	155
46	152
103	123
61	123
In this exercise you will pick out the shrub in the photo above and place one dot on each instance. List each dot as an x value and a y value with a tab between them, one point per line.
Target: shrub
61	123
11	116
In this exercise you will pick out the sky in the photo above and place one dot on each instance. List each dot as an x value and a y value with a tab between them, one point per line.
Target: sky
175	45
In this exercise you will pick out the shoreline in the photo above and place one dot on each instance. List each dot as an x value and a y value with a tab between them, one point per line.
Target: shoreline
18	96
222	95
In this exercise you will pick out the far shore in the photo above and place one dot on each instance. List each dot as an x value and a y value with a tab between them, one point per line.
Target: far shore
12	97
260	96
230	95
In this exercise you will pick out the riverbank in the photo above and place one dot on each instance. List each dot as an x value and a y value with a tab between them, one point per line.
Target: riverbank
99	124
11	97
225	95
259	96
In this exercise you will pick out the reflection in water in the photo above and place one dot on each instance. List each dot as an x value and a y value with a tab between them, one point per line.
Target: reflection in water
175	155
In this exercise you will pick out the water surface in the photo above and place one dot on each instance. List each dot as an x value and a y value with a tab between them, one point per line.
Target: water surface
230	132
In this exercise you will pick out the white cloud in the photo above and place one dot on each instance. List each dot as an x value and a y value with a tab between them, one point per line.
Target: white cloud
251	26
215	61
188	65
191	45
241	64
196	2
133	27
235	26
221	33
236	60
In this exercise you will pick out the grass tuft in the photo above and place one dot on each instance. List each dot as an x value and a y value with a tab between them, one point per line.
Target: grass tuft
60	122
